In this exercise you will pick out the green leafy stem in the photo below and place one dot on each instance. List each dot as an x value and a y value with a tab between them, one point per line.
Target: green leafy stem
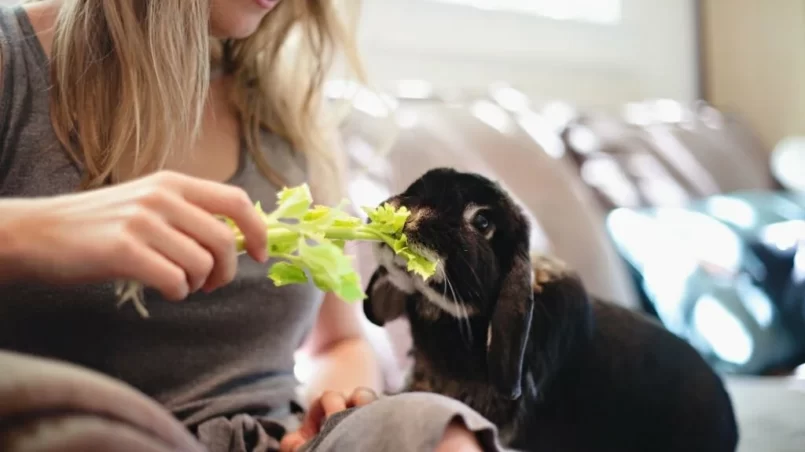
308	242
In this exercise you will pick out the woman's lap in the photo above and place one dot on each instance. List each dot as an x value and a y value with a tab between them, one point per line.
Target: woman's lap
410	422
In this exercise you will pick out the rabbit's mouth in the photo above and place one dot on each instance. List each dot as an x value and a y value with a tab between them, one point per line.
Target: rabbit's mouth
394	262
435	290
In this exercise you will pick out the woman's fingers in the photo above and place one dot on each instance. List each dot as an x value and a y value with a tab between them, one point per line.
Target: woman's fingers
139	262
190	204
325	406
332	402
212	234
196	260
361	397
233	202
177	219
292	441
329	403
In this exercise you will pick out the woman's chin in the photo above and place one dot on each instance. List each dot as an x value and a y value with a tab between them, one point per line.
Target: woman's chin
235	29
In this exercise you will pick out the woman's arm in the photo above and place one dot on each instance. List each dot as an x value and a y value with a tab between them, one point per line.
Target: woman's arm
342	357
159	230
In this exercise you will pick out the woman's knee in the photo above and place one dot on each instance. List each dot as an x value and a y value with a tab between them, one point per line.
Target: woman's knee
409	422
458	438
459	433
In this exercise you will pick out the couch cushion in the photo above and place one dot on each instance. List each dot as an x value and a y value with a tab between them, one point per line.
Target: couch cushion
769	411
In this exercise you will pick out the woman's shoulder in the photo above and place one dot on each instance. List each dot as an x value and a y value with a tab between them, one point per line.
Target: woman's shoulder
9	23
26	29
22	55
27	138
10	36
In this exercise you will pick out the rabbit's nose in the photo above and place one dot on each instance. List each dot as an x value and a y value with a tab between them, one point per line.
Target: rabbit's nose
394	202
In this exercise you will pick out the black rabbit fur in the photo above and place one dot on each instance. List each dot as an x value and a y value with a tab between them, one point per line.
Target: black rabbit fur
518	338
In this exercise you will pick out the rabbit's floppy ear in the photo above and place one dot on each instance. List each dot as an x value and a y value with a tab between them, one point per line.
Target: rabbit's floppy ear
384	302
509	328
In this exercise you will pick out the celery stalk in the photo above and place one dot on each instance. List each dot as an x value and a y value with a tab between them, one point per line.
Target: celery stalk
295	223
307	243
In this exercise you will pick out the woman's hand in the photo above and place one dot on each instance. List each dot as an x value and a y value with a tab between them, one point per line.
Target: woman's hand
325	406
159	230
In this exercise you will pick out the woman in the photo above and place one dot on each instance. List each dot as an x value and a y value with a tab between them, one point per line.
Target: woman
126	126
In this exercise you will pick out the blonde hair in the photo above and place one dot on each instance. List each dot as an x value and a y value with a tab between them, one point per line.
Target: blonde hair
130	79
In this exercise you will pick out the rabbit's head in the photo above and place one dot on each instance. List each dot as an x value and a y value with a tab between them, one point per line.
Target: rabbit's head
482	291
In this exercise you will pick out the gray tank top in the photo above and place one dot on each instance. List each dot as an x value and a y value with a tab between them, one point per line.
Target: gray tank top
217	354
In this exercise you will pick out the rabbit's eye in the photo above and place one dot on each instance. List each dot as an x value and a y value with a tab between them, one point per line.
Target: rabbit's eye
481	223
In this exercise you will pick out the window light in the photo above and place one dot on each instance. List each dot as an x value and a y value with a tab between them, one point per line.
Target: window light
593	11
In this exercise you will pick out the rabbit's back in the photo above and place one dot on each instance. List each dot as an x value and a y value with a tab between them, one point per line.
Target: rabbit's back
637	387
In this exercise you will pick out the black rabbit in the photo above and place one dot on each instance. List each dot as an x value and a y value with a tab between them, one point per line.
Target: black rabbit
519	339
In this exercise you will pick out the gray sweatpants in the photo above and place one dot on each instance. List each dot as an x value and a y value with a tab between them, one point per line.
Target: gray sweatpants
410	422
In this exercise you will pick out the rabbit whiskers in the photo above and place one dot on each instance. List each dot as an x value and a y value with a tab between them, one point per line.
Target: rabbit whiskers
464	318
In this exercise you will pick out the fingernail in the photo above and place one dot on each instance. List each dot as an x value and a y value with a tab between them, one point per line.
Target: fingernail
368	391
366	395
196	287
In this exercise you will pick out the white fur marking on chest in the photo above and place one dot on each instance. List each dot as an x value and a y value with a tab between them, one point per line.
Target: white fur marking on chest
442	302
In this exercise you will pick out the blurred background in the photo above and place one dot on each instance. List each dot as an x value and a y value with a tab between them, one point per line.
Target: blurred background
658	146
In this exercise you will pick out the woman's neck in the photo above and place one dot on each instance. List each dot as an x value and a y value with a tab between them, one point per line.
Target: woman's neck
42	16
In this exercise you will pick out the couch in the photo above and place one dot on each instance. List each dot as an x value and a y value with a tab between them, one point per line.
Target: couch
49	406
